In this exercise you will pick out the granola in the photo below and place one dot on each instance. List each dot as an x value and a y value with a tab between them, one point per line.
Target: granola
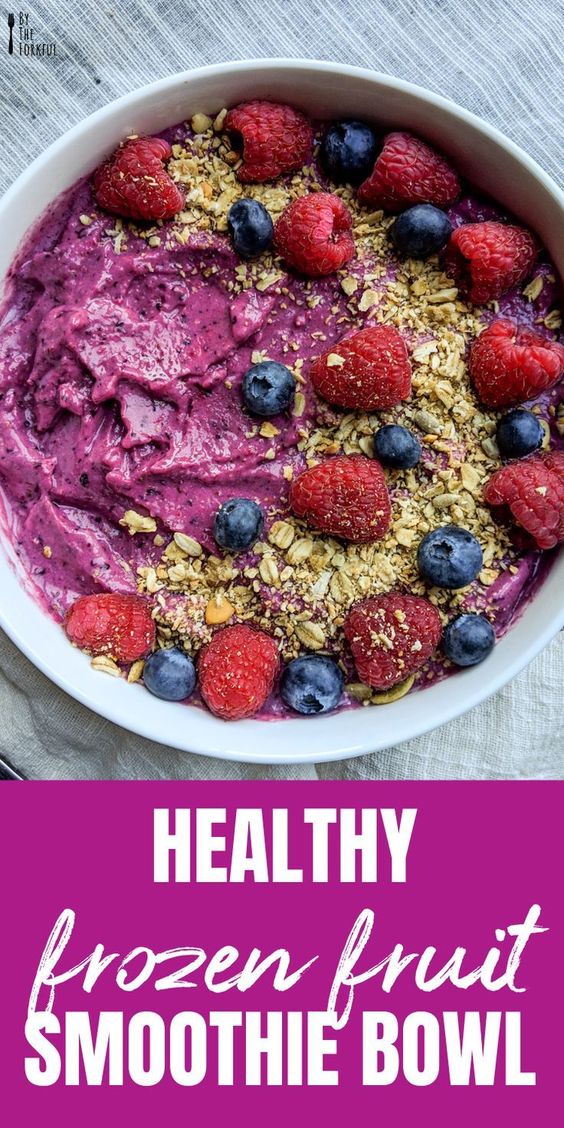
298	584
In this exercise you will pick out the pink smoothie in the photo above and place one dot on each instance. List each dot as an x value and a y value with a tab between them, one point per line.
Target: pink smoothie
120	381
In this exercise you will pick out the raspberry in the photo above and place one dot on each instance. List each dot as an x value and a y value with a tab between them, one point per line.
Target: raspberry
409	172
487	259
533	489
109	623
276	139
510	364
237	671
314	234
134	184
345	496
391	636
376	372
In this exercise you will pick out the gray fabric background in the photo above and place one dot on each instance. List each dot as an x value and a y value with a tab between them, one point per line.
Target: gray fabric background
499	58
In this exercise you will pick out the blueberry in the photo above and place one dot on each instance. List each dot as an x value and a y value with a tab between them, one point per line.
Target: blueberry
468	639
169	674
519	432
397	447
348	151
312	684
449	557
268	388
238	524
250	227
421	231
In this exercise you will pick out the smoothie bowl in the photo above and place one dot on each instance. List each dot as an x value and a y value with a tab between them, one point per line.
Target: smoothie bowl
281	423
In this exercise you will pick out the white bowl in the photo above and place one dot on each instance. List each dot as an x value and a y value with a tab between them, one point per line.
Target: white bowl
326	90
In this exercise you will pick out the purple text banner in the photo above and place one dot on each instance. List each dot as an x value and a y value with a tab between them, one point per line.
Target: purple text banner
260	952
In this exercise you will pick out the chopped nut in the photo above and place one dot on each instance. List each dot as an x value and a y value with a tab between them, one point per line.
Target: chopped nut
423	352
319	588
349	285
136	671
137	523
368	299
151	582
85	220
534	288
470	477
268	430
201	123
47	551
177	573
218	610
218	123
299	405
553	320
445	500
405	537
440	296
335	361
268	280
488	576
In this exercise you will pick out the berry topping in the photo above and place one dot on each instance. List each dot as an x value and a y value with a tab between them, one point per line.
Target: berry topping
238	523
391	636
511	363
275	139
368	370
133	183
119	626
409	172
345	496
250	227
396	447
169	674
519	433
468	639
449	557
268	388
421	231
487	259
237	671
534	492
314	234
348	151
312	683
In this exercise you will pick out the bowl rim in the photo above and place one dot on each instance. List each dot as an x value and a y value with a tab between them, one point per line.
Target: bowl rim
219	739
284	63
